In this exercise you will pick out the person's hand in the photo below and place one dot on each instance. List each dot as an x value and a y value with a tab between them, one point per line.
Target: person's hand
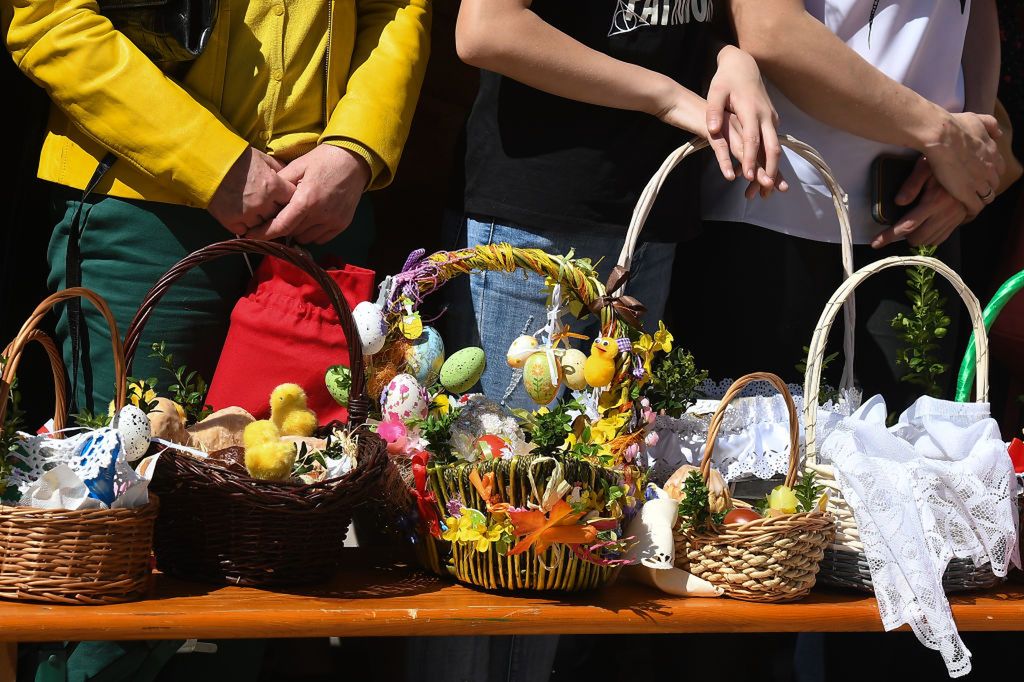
935	217
965	160
328	181
740	117
251	193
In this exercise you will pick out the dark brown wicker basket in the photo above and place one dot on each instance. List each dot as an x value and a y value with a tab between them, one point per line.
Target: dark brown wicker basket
91	557
221	526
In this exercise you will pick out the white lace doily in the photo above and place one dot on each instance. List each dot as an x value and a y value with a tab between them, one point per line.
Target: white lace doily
937	485
754	439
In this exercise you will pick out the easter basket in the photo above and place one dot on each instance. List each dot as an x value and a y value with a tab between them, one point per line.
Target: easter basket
502	498
84	556
845	562
753	440
220	525
770	559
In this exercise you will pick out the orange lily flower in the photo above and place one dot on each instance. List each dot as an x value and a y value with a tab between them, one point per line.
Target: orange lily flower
542	531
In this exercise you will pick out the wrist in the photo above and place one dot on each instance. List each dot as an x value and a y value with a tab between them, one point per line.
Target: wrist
929	128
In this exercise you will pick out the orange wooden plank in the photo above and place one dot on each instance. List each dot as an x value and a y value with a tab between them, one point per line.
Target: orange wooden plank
379	598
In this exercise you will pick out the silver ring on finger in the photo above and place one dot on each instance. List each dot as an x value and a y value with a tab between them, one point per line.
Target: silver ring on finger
987	196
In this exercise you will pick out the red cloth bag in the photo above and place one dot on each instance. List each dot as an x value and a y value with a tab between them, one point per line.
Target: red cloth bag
284	330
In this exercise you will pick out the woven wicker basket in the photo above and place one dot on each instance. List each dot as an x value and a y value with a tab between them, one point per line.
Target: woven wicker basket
774	559
581	283
222	526
845	564
91	557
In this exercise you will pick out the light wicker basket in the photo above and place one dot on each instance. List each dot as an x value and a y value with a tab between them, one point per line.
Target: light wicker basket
773	559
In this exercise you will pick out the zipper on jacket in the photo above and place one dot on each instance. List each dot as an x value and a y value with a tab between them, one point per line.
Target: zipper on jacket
327	58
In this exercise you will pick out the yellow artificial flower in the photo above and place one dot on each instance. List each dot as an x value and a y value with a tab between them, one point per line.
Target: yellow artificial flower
663	338
441	404
451	532
492	534
607	428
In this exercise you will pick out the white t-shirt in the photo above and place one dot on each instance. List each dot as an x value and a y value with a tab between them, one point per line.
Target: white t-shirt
917	43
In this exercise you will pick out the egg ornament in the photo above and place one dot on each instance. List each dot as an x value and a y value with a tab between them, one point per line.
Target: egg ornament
572	368
135	430
537	378
411	326
521	350
491	446
463	369
405	398
372	327
425	356
740	515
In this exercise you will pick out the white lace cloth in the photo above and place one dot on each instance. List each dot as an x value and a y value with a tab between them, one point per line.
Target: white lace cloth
754	439
937	485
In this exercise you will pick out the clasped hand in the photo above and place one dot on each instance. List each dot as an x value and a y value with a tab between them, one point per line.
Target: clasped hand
312	199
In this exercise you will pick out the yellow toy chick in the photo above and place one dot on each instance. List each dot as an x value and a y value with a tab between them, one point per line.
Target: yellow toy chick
267	457
289	413
599	369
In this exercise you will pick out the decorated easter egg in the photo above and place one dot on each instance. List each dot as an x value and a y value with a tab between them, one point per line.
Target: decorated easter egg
520	350
372	326
339	383
572	369
537	378
405	398
425	356
463	369
133	425
411	326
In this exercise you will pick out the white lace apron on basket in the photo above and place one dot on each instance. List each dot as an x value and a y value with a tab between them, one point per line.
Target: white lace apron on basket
937	485
754	440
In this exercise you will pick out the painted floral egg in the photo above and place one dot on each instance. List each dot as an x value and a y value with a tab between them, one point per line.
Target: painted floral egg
425	356
372	326
405	398
537	378
572	369
520	350
463	369
133	425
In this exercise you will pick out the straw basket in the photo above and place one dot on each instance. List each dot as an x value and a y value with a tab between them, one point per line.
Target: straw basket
92	557
774	559
422	278
222	526
845	563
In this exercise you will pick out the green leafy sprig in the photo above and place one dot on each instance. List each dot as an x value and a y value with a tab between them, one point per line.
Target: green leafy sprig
807	491
436	430
548	431
694	509
91	420
188	388
923	328
825	392
9	429
674	382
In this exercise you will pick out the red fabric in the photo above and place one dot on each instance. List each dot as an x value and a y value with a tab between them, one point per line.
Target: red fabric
1007	335
285	331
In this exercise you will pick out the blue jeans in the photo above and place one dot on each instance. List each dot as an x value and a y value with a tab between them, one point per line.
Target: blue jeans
493	308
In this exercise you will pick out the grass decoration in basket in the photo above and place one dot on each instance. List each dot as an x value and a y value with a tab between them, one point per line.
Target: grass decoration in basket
258	502
517	500
769	558
77	520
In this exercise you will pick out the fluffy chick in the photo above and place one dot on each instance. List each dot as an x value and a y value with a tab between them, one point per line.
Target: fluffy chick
599	369
270	461
259	433
289	413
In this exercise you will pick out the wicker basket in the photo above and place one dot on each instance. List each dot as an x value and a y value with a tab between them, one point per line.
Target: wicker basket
221	526
426	277
92	557
845	564
774	559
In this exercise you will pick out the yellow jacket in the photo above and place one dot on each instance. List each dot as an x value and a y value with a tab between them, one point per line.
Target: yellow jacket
171	142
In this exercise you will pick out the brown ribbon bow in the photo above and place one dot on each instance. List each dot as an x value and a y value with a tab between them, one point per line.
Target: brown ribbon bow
625	306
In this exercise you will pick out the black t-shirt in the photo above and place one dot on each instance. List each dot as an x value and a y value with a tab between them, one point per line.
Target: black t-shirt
544	162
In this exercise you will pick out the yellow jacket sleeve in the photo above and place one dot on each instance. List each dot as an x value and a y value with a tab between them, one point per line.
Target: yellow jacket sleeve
118	97
388	62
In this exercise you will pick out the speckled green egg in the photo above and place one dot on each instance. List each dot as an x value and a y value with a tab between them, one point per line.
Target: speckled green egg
463	369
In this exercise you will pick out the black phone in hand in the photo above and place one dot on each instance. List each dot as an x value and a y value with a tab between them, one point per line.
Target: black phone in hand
888	173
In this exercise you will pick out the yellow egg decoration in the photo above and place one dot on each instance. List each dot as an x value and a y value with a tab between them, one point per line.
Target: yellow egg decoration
521	350
537	378
411	326
599	369
572	369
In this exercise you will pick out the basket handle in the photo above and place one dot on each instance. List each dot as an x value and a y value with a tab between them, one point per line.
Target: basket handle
812	381
719	417
839	199
358	404
1002	296
30	332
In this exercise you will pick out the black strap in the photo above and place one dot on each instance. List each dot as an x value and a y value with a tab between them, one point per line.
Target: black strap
73	274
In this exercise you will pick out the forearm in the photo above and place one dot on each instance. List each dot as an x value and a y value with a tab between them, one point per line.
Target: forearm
827	79
506	37
980	59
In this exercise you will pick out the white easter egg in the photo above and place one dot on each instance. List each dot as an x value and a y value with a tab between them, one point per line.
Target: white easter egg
405	398
133	426
425	356
520	351
572	367
372	327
